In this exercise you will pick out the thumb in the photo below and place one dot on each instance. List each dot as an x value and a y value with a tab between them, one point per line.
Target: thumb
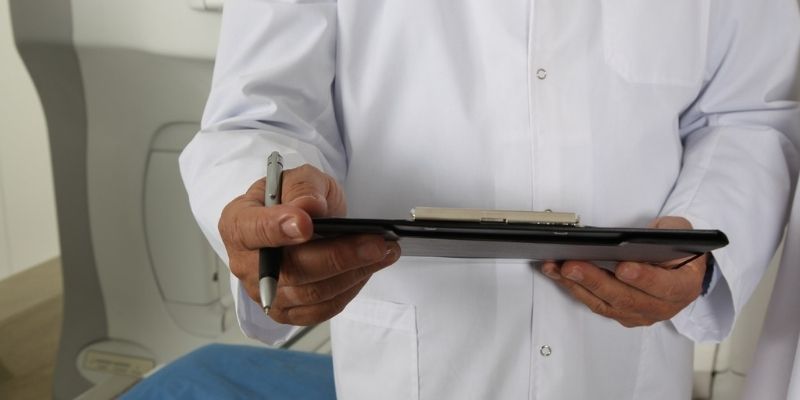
673	222
670	222
313	191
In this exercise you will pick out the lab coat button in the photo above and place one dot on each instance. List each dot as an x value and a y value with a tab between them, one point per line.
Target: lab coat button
545	350
541	74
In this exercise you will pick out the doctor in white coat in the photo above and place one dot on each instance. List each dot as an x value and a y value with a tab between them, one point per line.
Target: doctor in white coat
775	373
623	111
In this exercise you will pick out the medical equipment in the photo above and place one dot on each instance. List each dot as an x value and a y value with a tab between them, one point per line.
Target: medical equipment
123	87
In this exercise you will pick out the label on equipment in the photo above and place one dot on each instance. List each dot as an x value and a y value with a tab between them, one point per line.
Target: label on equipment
117	364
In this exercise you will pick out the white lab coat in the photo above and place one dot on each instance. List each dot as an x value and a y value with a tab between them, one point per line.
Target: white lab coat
619	110
775	373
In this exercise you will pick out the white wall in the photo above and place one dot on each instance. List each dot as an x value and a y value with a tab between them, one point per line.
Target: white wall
28	229
5	254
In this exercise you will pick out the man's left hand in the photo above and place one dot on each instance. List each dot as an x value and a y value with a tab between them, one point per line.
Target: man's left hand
635	294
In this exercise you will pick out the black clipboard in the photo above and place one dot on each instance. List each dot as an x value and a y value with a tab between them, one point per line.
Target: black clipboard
463	239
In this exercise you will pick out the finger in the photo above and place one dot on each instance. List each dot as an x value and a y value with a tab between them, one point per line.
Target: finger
321	291
594	303
552	269
673	222
255	193
313	191
670	222
314	314
247	225
673	285
612	291
677	263
251	288
322	259
305	187
254	227
600	307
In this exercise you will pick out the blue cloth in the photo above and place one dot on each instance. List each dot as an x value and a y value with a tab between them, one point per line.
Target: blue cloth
240	372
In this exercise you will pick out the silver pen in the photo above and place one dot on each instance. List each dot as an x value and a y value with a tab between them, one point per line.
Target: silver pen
269	258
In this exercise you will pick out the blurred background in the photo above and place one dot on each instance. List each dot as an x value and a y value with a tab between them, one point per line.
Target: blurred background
97	99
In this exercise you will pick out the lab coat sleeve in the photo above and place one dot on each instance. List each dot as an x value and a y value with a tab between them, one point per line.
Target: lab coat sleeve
271	91
740	152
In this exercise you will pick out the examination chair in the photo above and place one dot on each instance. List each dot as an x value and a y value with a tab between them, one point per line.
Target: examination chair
240	372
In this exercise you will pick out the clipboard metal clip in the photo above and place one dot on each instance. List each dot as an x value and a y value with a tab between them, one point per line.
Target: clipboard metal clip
546	217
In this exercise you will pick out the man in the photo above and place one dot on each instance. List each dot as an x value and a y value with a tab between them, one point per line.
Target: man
628	112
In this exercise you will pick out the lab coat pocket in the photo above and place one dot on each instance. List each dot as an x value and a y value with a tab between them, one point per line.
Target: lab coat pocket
656	41
375	351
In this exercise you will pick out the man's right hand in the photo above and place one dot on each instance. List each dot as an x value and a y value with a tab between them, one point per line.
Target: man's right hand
318	278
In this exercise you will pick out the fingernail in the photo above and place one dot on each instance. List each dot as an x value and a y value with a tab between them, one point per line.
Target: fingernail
628	272
369	252
291	229
551	272
575	275
391	252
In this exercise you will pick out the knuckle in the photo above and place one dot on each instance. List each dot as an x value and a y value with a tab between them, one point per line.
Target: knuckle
235	231
222	224
629	323
299	319
280	316
696	288
311	294
226	227
238	271
625	302
649	281
598	307
647	322
240	267
666	314
306	170
292	271
568	285
591	283
626	323
324	315
253	293
336	306
268	230
637	321
337	259
299	180
673	291
305	316
363	273
257	187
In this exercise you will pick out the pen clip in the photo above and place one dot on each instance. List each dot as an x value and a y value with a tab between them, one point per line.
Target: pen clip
274	179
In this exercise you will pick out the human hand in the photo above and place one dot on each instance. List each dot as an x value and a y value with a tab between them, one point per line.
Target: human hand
635	294
318	278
